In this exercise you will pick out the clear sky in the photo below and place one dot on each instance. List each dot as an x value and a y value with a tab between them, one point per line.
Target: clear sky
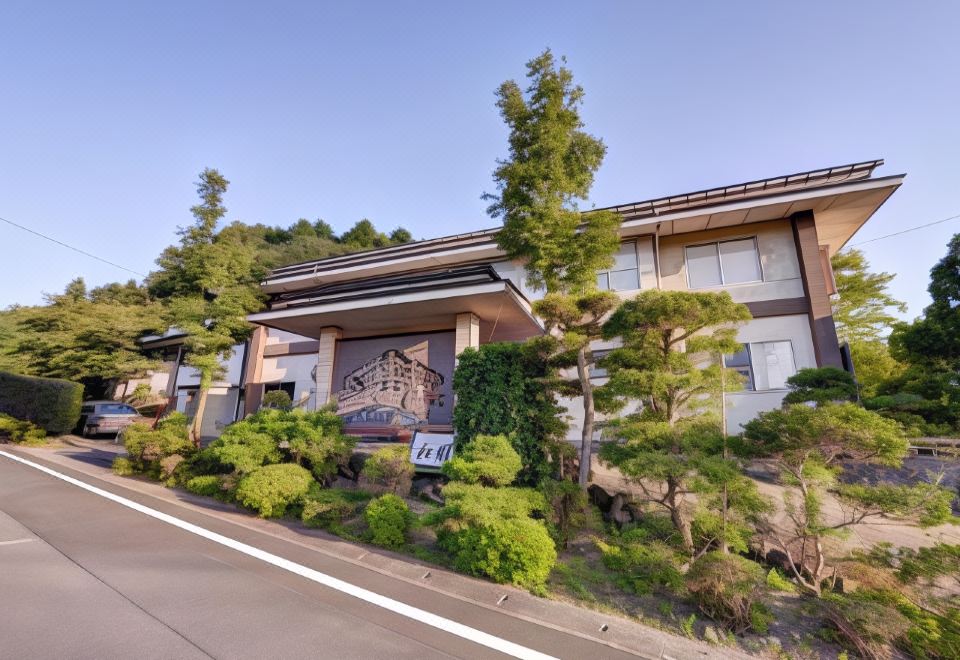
108	111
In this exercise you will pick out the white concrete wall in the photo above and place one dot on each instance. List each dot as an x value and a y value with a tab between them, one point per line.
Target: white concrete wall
220	409
157	380
795	328
295	368
275	336
188	376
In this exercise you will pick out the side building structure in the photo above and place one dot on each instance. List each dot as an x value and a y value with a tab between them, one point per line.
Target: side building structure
377	333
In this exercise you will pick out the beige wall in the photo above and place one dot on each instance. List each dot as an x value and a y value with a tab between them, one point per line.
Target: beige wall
778	260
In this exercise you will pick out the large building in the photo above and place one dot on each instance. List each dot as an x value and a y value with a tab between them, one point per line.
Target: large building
378	332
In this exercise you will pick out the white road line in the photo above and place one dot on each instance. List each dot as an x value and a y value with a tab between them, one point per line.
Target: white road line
415	613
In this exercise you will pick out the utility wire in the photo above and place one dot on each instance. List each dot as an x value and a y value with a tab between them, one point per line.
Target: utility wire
70	247
905	231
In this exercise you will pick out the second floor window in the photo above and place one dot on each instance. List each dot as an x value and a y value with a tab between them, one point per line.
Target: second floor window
623	275
722	263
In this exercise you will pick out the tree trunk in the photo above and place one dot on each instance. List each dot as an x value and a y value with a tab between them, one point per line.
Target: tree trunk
198	416
679	520
586	437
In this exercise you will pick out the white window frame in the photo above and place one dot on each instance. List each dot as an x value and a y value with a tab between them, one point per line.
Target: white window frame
756	248
753	370
636	257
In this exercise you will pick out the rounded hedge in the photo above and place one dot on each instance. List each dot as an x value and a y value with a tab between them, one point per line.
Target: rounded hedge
50	403
517	551
389	519
272	488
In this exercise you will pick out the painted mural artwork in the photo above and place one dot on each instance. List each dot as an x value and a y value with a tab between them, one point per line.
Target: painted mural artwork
395	389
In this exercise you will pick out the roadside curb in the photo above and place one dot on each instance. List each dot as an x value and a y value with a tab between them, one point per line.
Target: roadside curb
602	628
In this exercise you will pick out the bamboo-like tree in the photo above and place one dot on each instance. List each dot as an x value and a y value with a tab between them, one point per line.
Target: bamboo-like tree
551	166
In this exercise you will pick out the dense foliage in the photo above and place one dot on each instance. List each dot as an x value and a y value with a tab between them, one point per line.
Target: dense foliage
488	460
148	450
272	488
20	431
313	439
500	390
388	518
50	403
821	385
388	470
495	531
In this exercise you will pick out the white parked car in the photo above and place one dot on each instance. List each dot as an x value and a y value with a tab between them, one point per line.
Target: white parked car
107	417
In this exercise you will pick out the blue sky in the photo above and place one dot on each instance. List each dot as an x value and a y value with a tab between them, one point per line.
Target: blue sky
385	111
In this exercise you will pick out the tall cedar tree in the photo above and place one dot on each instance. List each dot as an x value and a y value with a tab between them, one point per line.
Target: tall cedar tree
670	362
209	289
551	166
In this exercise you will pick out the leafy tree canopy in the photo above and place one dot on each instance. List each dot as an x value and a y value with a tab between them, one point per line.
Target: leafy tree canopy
552	165
821	385
862	311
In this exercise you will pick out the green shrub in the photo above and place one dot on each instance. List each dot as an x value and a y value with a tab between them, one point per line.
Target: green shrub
242	447
148	448
122	466
277	399
499	389
18	431
517	551
728	589
489	460
329	508
643	566
474	504
490	531
312	439
389	519
389	470
777	581
821	385
50	403
272	488
208	485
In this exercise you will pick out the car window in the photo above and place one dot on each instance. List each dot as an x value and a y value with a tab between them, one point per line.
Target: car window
117	409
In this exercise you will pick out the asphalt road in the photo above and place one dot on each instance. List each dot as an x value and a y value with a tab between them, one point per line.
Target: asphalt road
85	577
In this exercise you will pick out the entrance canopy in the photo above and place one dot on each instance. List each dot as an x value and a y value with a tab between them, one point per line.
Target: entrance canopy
412	302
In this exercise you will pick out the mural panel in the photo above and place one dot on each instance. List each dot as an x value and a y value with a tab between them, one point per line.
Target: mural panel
391	386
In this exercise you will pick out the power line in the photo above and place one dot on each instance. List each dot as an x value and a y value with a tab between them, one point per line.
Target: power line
70	247
905	231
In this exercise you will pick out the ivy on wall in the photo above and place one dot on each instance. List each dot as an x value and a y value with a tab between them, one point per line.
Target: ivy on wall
501	389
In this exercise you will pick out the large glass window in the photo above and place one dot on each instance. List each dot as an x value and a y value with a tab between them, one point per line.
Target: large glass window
723	262
624	275
764	365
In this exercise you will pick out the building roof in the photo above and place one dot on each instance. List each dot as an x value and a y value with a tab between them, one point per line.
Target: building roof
671	210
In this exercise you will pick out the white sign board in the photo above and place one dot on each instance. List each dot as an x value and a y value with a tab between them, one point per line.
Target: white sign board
431	450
